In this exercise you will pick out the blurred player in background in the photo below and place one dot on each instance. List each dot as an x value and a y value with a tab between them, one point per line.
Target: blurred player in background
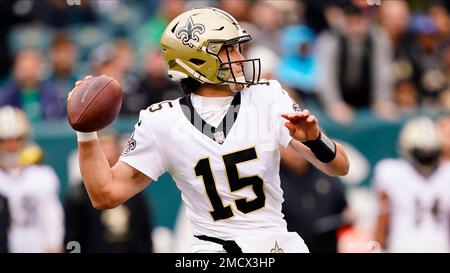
414	193
220	142
124	229
31	188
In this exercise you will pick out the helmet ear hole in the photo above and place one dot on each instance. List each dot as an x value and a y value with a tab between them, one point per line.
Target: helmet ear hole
197	62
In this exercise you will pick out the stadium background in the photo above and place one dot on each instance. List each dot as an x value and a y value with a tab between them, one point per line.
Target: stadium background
94	26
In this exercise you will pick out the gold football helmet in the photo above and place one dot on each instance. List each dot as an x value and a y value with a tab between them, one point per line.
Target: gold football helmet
191	44
16	148
13	123
420	144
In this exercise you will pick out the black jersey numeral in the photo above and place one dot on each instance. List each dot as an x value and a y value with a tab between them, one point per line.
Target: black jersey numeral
158	106
203	169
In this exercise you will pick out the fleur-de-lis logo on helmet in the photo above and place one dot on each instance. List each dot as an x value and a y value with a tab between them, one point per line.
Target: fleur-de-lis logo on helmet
190	32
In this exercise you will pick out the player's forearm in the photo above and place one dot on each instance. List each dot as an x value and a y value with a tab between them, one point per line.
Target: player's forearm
96	174
339	166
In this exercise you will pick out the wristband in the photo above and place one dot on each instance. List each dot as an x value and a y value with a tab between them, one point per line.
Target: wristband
86	136
323	148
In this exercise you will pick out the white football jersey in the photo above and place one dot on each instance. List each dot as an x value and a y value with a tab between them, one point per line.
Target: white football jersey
420	207
229	175
37	219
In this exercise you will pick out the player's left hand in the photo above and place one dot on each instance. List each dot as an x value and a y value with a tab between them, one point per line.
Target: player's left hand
302	125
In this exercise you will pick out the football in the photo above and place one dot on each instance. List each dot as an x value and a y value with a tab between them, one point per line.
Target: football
94	104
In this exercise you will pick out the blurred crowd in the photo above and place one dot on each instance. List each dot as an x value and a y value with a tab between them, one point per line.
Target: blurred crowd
340	56
334	56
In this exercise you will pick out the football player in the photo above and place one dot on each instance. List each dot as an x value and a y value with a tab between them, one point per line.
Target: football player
219	142
37	223
414	193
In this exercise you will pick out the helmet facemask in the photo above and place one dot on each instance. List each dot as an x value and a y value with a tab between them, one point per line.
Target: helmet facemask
226	74
10	150
425	161
241	81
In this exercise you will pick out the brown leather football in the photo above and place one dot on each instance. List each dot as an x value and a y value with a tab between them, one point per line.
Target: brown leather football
94	104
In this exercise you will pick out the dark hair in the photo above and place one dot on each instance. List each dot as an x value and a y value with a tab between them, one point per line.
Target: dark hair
190	85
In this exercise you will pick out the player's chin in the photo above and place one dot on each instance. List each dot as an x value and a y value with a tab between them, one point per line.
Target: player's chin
240	81
239	86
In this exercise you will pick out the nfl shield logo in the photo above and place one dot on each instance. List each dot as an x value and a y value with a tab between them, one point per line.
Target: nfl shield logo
219	137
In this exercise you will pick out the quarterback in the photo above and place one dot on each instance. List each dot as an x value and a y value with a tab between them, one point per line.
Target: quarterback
220	142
